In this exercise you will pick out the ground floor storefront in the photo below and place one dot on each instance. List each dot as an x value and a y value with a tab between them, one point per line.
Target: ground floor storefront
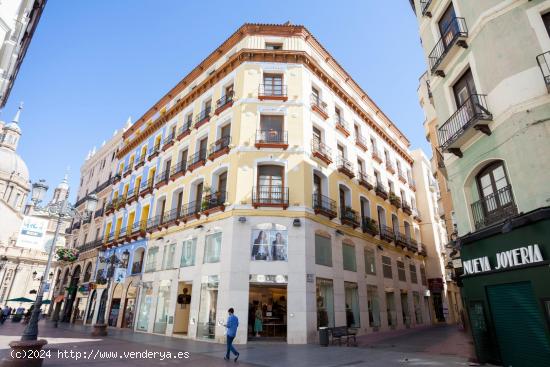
283	280
506	290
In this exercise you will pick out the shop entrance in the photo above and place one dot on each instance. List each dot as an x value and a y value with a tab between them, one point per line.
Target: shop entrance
183	306
115	305
267	318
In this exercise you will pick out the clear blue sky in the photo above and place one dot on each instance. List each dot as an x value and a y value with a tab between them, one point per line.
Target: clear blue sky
91	64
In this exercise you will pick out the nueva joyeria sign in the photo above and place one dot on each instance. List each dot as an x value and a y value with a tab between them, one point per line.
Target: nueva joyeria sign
506	259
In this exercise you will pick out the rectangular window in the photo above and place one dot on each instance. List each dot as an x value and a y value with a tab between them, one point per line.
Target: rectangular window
370	262
323	251
163	304
401	271
352	305
151	259
188	252
417	308
273	46
373	304
386	267
273	85
464	88
325	303
206	323
412	268
348	253
212	248
168	256
145	306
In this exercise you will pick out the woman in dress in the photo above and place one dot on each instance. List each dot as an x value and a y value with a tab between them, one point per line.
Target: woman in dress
278	248
258	323
259	248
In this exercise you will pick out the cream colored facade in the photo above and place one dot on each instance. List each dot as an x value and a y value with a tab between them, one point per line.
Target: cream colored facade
313	99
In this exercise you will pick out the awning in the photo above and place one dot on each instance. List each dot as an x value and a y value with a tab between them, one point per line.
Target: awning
59	298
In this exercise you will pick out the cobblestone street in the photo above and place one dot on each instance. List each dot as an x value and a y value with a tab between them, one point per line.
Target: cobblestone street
429	346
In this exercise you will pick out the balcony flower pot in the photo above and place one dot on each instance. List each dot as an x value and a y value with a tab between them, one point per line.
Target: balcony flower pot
395	200
370	226
67	254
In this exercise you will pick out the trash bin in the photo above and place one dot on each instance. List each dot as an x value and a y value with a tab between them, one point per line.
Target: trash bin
323	336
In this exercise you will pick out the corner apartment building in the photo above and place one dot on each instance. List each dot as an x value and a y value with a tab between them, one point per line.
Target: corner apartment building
268	181
75	283
488	76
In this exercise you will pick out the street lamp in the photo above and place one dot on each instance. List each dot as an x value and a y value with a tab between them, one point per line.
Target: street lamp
3	261
113	262
62	209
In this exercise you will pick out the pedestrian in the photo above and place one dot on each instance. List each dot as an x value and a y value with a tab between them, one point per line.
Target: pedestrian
5	314
231	325
258	323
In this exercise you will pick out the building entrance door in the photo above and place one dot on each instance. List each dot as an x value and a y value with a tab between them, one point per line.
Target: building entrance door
183	306
519	325
267	306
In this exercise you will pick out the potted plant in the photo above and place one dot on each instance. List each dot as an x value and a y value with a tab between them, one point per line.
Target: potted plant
67	254
395	200
370	226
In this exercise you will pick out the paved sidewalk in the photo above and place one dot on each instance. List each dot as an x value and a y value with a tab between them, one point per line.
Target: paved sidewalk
77	339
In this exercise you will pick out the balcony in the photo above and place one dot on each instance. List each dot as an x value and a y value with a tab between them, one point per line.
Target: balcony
132	196
381	190
224	103
99	213
139	229
191	210
425	8
214	202
543	61
271	139
272	92
146	187
321	151
120	236
395	200
171	218
136	267
153	223
196	160
422	250
342	126
412	245
110	239
412	184
401	175
219	147
349	217
319	106
127	171
324	205
168	142
202	118
270	196
386	233
361	142
470	117
184	131
406	208
455	35
376	155
116	178
109	208
178	170
153	152
494	208
162	179
390	167
401	240
416	215
140	162
370	226
345	167
90	245
365	180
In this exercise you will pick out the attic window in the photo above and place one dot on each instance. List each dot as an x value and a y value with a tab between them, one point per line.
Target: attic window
211	71
273	46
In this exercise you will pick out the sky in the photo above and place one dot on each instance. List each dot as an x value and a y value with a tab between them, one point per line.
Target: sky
92	64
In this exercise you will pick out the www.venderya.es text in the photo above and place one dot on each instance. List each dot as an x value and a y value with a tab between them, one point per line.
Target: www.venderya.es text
99	354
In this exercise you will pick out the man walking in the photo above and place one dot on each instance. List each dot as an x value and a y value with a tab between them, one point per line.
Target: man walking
231	325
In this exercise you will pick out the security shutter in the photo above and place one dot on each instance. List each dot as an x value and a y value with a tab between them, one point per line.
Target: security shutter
519	325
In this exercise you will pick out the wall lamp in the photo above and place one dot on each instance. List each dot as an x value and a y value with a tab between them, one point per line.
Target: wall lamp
242	219
380	248
339	232
297	222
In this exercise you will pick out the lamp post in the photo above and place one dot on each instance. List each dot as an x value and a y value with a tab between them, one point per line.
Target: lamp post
113	262
61	210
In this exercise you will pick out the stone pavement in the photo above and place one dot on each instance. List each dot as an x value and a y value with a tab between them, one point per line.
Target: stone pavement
414	347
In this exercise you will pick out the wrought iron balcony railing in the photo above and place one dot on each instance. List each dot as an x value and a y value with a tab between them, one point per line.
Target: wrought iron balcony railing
365	180
219	147
196	160
178	170
191	210
272	91
346	167
224	102
184	130
361	142
321	151
162	178
324	205
381	190
349	217
270	195
153	152
203	117
469	114
370	226
342	126
147	187
168	141
425	7
271	139
386	233
454	34
214	202
319	106
494	208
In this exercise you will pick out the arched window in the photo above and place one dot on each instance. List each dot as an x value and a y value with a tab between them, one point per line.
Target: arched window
88	272
496	201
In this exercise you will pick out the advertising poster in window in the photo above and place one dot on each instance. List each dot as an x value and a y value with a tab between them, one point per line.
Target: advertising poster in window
269	244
